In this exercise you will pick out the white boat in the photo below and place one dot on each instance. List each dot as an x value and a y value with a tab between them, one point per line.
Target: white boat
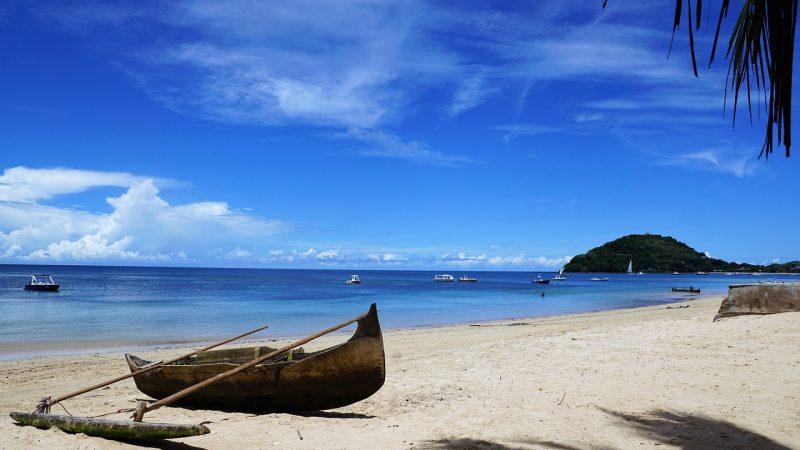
676	273
640	273
560	276
466	279
702	273
42	283
354	280
630	268
598	279
444	278
540	280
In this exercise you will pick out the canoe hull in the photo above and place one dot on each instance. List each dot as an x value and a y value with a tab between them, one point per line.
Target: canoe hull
331	378
114	429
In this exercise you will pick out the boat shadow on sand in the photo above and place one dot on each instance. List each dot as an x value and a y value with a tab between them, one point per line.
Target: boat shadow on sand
686	431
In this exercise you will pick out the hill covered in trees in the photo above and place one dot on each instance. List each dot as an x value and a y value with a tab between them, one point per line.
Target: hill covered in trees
656	253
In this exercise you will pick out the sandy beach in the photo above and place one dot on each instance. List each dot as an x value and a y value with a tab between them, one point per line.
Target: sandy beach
656	377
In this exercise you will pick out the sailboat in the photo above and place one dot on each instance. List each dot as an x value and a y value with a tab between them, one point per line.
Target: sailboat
630	268
560	276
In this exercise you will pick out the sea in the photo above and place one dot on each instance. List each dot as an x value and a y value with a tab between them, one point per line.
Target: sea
100	308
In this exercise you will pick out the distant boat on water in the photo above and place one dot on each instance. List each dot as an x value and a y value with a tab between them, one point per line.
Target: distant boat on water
42	283
466	279
598	279
676	273
540	280
443	278
354	280
701	273
560	276
630	268
690	289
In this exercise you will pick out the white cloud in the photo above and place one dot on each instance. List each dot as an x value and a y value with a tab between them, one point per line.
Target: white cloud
383	145
737	163
141	226
470	94
21	184
584	117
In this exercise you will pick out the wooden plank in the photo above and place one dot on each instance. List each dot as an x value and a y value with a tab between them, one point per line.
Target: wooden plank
114	429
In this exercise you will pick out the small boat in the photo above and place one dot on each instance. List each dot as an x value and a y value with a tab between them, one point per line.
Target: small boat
444	278
640	273
598	279
560	276
291	382
676	273
466	279
540	280
690	289
701	273
354	280
42	283
630	268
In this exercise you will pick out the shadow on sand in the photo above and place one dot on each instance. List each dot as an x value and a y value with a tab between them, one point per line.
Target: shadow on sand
162	444
694	432
334	415
688	432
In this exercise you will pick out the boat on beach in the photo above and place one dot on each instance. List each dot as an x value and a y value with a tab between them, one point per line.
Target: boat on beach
354	280
443	278
466	279
42	283
289	382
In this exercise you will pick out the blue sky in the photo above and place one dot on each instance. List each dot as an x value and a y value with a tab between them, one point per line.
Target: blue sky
365	134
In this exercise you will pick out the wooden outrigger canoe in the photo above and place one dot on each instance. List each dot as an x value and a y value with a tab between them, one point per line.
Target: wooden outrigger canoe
293	382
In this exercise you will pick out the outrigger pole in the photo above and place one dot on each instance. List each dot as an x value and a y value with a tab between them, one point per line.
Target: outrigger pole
47	402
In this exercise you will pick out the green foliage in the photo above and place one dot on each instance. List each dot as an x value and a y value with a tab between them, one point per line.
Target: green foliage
656	253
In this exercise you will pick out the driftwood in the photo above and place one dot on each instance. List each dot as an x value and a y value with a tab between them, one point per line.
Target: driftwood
119	429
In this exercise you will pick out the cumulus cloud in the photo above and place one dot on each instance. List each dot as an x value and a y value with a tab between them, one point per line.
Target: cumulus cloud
142	226
21	184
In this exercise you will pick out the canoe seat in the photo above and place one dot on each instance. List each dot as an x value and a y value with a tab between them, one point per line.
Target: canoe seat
241	355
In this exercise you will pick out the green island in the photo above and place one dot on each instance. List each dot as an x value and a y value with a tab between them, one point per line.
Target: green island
652	253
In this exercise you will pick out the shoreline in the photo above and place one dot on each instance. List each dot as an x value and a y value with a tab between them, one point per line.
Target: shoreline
661	376
45	349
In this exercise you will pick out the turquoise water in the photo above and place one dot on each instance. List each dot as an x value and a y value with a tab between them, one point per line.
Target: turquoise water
129	307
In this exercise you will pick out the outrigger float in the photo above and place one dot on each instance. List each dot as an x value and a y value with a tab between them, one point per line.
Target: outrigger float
368	329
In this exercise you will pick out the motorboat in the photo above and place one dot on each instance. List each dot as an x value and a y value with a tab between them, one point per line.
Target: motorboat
598	279
466	279
42	283
540	280
443	278
354	280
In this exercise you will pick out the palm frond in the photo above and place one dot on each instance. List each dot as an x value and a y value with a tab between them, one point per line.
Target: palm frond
760	53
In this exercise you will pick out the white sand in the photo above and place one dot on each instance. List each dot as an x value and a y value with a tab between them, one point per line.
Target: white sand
639	378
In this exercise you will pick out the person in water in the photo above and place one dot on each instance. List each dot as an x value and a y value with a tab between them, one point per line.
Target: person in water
542	294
